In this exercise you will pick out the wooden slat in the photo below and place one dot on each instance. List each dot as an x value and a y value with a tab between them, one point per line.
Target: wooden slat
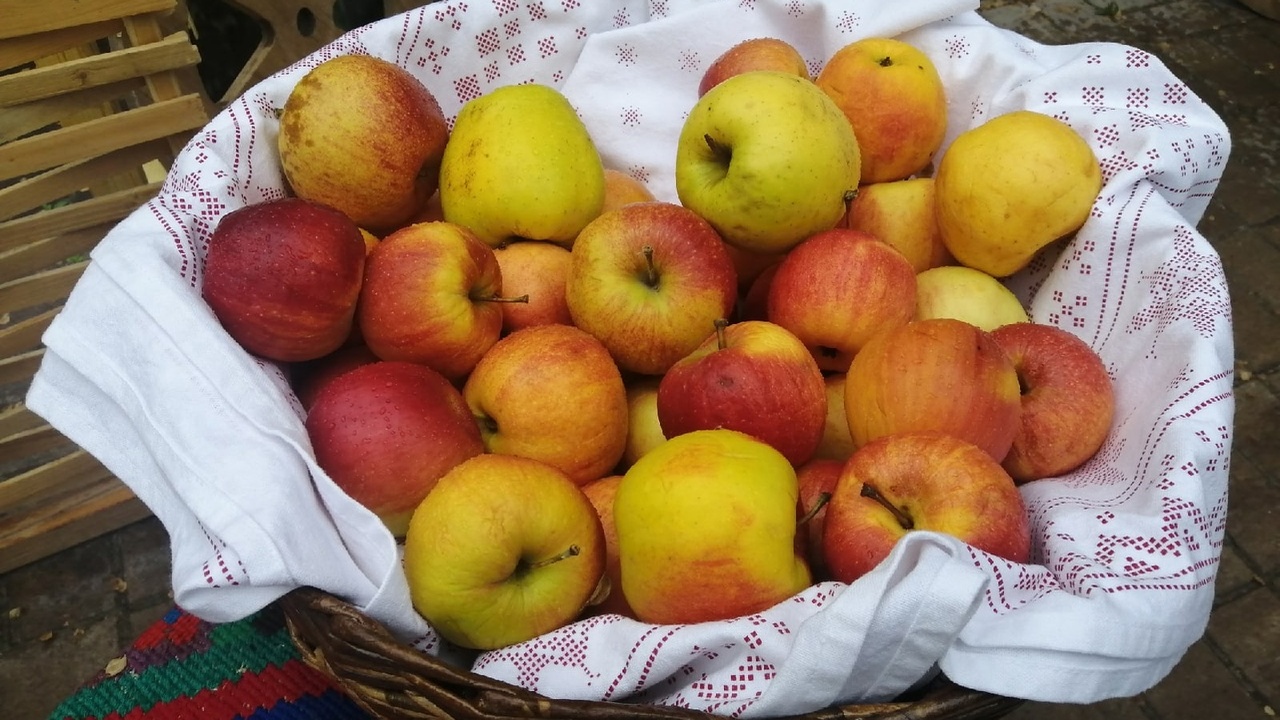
64	180
44	254
76	216
61	110
101	135
29	48
31	443
20	368
164	54
88	512
24	336
17	419
70	471
45	287
24	17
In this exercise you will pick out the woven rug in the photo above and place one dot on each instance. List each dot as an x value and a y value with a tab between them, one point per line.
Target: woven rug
183	668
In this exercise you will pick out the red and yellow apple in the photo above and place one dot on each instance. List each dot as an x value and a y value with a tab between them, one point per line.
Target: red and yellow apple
621	189
900	213
601	494
537	271
758	53
817	481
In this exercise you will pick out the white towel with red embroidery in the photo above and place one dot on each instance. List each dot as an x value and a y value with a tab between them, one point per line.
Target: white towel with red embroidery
1126	549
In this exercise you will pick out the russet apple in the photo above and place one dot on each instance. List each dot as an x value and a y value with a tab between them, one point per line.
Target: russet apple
283	277
838	289
758	53
894	99
768	159
503	549
601	494
551	393
1068	400
940	375
537	271
706	528
751	376
963	293
648	280
387	431
365	136
900	213
920	481
432	295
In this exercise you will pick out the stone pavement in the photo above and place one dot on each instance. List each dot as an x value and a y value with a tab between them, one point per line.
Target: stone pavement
63	618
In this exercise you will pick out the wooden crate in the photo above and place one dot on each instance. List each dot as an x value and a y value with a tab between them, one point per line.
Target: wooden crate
93	107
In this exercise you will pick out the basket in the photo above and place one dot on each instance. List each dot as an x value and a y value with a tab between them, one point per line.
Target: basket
390	680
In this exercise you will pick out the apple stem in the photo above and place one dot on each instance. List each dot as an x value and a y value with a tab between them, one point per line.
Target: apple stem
721	341
721	152
849	197
886	61
903	519
571	552
818	504
518	299
651	272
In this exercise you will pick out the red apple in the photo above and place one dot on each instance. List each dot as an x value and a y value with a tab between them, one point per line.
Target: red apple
817	479
760	53
431	296
938	375
648	280
537	270
839	288
386	432
1067	400
921	481
754	304
283	277
754	377
308	378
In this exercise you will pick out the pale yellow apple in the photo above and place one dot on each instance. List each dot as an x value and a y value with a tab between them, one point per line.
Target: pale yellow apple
837	442
963	293
644	431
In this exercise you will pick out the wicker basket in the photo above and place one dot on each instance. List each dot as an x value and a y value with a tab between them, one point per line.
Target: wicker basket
390	680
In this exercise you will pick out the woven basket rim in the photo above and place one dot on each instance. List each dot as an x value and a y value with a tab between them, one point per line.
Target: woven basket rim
391	680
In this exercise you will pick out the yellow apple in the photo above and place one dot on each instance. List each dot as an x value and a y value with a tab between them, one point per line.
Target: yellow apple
900	213
837	442
644	431
963	293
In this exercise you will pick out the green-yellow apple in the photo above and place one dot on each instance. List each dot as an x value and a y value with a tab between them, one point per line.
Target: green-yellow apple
1068	400
837	442
644	431
365	136
648	280
817	481
623	189
536	270
940	375
759	53
1011	186
706	529
601	494
894	98
752	376
768	159
432	295
963	293
920	481
551	393
307	378
502	550
837	290
283	278
386	432
901	214
520	164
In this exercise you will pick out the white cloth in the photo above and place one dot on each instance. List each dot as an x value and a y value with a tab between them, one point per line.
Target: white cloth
1126	549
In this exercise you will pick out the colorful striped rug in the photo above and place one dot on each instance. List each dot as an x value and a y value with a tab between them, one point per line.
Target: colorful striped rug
183	668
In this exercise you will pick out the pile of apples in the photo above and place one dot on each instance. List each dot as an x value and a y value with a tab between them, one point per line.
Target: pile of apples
570	398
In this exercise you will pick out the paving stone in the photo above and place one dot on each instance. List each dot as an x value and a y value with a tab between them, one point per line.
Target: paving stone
145	554
1201	687
1253	515
1254	323
1234	575
1248	630
76	583
1120	709
38	674
1251	261
1257	408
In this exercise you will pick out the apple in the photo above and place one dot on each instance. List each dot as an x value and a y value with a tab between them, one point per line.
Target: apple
644	430
648	280
768	159
963	293
893	97
307	378
503	549
837	442
837	290
431	295
365	136
935	482
623	189
706	528
1068	400
536	270
751	265
601	494
551	393
940	375
283	277
751	376
759	53
754	304
900	213
386	432
817	482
